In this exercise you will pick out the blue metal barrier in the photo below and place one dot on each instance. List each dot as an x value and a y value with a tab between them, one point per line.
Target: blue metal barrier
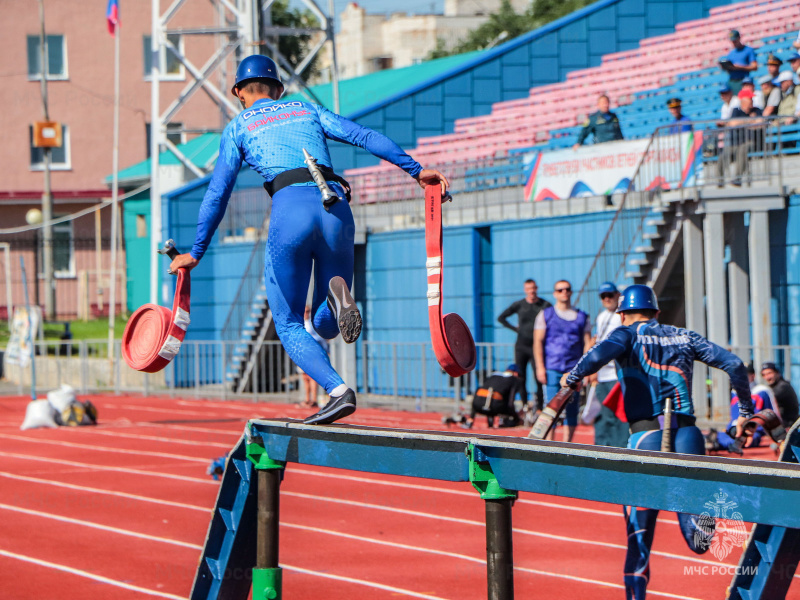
499	468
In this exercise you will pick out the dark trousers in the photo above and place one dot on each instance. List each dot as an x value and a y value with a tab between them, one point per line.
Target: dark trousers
522	356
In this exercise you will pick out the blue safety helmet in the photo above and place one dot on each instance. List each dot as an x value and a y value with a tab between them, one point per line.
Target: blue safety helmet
256	67
513	367
638	297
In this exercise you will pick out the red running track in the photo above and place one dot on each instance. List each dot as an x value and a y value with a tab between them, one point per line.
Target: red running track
121	510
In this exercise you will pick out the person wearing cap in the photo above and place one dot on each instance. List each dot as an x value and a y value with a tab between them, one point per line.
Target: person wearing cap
758	97
494	398
682	122
794	62
729	102
789	99
608	429
310	224
561	334
772	95
739	61
774	67
741	137
603	124
655	364
785	396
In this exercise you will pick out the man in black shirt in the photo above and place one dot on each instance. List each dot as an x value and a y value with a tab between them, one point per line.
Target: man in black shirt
526	311
785	396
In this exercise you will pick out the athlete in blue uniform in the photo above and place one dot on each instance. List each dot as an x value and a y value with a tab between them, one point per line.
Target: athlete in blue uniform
271	136
654	366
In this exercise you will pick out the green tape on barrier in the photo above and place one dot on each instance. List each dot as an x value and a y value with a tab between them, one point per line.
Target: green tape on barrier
483	479
267	584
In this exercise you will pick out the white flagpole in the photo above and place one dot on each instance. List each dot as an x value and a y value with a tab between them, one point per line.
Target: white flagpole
114	204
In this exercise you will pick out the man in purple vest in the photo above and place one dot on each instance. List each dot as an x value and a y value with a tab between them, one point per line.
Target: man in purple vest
561	335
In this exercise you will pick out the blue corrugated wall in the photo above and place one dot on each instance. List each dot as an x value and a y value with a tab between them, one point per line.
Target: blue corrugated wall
785	264
508	72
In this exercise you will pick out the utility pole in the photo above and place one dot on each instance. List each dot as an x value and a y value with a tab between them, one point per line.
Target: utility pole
47	197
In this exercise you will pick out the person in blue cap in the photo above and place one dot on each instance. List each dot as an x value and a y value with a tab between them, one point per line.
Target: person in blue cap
740	61
654	363
682	123
306	228
771	94
729	102
608	429
794	62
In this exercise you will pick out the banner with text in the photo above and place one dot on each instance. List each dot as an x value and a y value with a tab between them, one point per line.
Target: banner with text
601	169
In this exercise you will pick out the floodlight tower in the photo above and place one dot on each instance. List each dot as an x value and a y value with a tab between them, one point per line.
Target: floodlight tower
242	28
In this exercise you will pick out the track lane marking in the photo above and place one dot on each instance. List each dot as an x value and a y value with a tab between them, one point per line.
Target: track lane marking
153	438
87	575
108	528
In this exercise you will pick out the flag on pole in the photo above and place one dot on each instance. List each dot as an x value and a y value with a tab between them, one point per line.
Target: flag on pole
112	16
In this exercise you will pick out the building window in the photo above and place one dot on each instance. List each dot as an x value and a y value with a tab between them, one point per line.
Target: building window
59	157
56	49
170	66
141	226
63	250
174	134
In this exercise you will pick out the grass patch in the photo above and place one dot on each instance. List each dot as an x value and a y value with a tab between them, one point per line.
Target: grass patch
96	329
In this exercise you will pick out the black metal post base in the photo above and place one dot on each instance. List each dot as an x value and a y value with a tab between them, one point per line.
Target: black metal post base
499	550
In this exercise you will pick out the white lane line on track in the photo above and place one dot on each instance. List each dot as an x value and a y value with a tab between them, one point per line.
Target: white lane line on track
530	532
371	584
470	558
82	523
39	440
83	488
341	534
141	436
93	467
87	575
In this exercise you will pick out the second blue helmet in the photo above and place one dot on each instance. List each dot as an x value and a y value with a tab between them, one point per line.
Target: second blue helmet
256	66
638	297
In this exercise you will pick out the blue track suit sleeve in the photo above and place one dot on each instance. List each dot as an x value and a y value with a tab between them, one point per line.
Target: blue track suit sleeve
216	198
602	353
714	356
344	130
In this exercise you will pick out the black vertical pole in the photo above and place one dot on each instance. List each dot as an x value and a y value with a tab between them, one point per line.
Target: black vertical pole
499	550
269	486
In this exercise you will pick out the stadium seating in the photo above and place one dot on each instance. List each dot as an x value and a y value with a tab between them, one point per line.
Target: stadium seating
638	81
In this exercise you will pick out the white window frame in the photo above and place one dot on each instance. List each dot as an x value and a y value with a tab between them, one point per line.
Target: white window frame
68	273
65	75
164	76
65	166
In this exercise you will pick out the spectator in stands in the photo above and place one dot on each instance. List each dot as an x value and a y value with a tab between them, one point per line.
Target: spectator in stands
758	97
789	101
794	63
774	67
526	310
608	429
603	124
739	62
729	102
674	105
561	334
740	138
785	396
772	96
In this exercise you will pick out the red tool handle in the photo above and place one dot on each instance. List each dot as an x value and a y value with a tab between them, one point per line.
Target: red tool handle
452	340
153	334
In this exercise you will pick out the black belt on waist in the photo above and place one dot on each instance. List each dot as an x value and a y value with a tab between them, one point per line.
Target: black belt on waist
653	424
302	175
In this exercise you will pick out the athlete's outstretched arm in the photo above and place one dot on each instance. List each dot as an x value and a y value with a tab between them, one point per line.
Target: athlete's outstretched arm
215	200
340	129
614	346
717	357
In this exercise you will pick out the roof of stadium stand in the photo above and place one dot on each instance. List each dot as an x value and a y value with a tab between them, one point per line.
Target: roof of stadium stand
355	95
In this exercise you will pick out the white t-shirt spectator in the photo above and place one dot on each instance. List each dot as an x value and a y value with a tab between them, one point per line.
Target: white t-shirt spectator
607	322
568	315
727	109
774	97
758	100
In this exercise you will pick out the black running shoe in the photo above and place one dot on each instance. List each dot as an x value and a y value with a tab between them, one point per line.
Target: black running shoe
344	307
335	409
